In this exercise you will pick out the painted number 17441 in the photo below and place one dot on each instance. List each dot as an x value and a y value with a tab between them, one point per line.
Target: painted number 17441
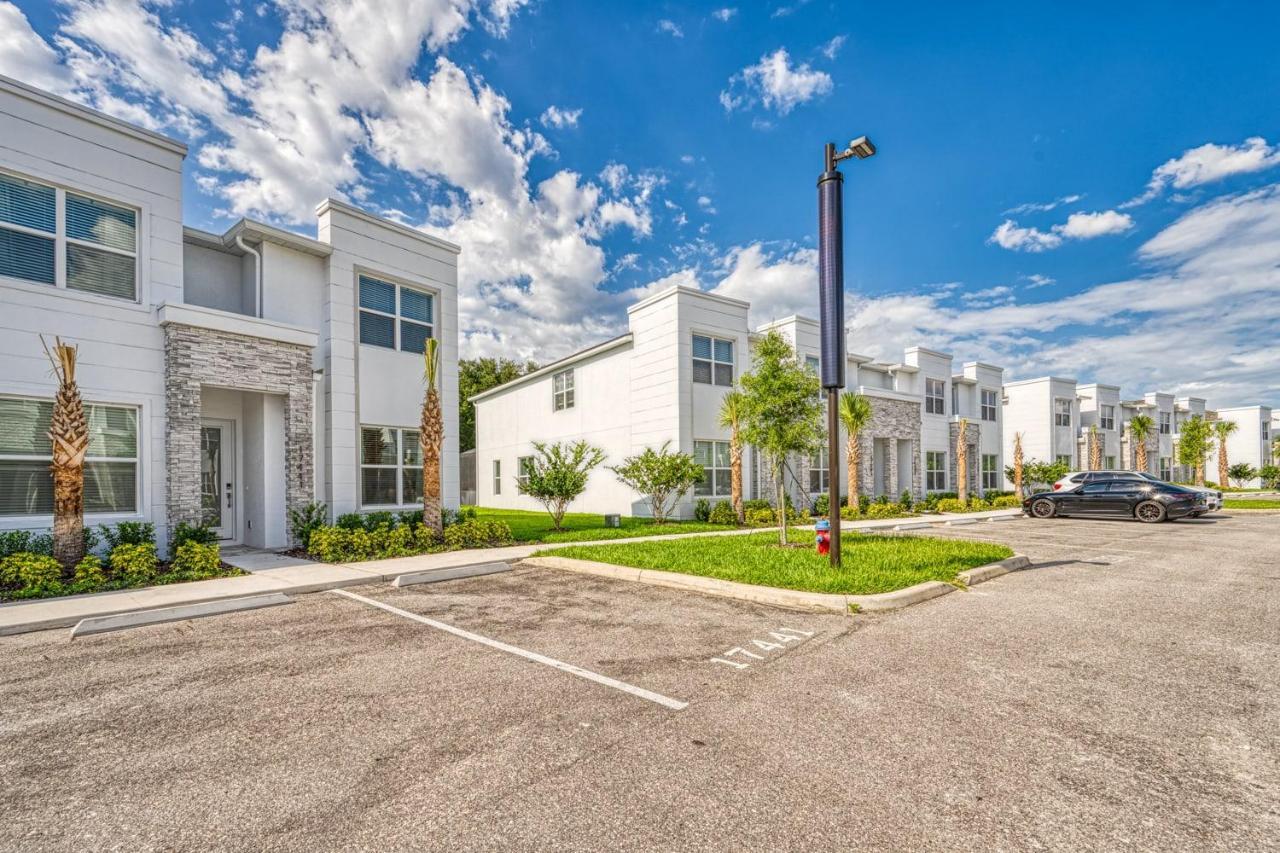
740	657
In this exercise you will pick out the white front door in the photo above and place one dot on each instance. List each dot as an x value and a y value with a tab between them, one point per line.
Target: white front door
218	477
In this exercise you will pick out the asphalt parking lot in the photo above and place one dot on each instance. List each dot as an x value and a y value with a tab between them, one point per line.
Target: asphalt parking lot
1120	695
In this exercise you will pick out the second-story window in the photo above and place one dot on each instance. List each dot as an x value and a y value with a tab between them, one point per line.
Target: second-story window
99	240
935	396
990	404
1108	417
395	317
1062	412
1166	423
562	390
712	360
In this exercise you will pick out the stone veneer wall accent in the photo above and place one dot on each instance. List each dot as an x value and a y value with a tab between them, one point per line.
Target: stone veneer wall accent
973	438
197	356
893	420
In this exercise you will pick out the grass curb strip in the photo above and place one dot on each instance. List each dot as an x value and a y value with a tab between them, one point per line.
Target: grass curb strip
795	599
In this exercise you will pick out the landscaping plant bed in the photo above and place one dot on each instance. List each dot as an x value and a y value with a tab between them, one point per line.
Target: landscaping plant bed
870	564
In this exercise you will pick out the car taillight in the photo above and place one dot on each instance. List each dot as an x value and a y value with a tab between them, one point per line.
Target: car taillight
1057	486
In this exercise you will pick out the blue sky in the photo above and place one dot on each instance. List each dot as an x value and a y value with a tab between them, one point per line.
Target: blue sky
1088	191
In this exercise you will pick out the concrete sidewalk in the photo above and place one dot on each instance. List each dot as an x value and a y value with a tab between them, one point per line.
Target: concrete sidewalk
19	617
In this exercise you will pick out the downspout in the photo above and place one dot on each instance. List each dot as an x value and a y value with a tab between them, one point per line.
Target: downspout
257	272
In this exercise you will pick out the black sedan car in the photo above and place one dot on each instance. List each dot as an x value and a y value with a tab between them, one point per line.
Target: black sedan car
1147	501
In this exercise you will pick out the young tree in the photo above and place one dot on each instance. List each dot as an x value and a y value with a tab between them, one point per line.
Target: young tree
1140	428
1034	472
1222	430
475	376
69	437
1017	464
962	460
1195	444
431	438
731	417
661	476
855	415
1270	476
782	414
1095	449
558	474
1241	473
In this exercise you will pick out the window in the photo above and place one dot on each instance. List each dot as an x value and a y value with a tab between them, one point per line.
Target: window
1166	468
497	476
1062	412
562	390
990	471
935	402
989	404
390	466
819	474
1107	419
1109	462
524	467
713	456
395	317
712	360
1165	423
99	240
935	470
110	468
811	362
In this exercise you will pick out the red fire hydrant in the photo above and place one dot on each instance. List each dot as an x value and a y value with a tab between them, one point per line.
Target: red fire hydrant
823	531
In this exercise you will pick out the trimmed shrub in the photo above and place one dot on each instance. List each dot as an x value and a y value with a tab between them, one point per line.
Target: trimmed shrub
29	574
886	510
350	545
1006	502
864	502
477	534
409	518
184	533
374	520
722	513
822	505
129	533
762	517
306	519
849	513
461	514
906	500
756	503
134	562
350	521
702	510
196	560
951	505
89	575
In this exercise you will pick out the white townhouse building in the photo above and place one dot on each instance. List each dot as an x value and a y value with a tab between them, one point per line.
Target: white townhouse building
228	377
663	382
1251	442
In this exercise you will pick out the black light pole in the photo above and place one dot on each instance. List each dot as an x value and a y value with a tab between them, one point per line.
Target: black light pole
831	312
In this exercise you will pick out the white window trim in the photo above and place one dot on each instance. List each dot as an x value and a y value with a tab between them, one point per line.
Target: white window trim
942	455
995	405
941	396
521	478
1105	422
61	241
712	469
10	522
994	473
1058	414
497	476
399	467
713	361
566	397
395	318
824	475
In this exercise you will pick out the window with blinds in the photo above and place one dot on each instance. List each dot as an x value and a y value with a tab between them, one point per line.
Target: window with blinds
99	240
390	467
395	317
110	468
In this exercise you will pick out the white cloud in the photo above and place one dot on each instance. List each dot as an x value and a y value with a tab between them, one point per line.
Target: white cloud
1037	280
557	117
775	83
26	56
1208	163
724	14
1042	207
707	205
671	28
832	48
998	295
777	285
1079	226
784	11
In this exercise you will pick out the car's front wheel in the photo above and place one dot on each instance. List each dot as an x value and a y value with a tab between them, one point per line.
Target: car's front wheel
1044	508
1149	512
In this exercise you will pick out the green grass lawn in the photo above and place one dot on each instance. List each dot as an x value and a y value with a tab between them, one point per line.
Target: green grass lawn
871	564
1250	503
529	526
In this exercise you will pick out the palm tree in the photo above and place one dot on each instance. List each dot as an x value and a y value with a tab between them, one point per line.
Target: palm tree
731	418
1017	464
431	438
855	413
962	461
69	436
1140	428
1222	429
1095	449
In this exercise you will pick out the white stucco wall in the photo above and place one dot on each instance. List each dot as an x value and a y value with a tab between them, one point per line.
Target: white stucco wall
1249	443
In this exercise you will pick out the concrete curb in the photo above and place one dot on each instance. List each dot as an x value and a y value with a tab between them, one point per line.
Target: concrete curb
458	573
789	598
142	618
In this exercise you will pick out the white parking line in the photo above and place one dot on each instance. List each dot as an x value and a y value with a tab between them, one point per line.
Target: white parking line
665	701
